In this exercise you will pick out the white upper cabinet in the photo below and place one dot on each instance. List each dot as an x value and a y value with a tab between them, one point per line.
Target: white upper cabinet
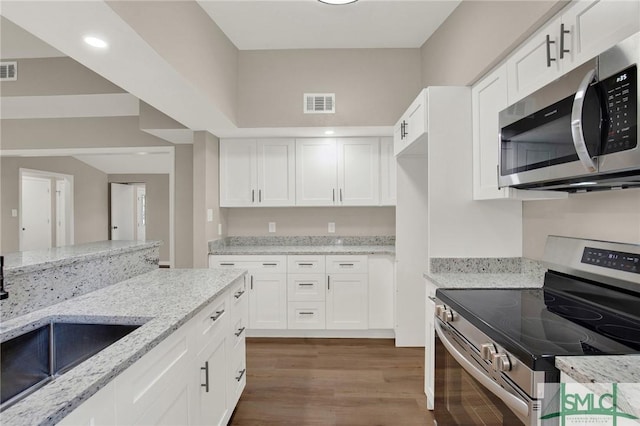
581	31
488	98
257	173
388	173
412	125
337	172
358	164
316	174
238	172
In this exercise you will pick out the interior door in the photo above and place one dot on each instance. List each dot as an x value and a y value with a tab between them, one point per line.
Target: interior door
61	213
141	211
35	213
122	211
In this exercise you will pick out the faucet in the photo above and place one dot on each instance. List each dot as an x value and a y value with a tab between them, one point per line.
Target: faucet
3	294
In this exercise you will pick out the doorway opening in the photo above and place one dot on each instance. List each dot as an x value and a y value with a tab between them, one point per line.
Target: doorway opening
127	211
46	209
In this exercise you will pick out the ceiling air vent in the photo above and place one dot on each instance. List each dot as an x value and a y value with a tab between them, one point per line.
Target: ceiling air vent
8	71
319	103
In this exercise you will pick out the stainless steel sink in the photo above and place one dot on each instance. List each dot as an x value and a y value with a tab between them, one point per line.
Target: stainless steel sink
31	360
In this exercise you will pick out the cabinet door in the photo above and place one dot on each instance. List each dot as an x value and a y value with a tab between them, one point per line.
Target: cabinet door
276	172
388	173
268	301
347	302
488	98
358	171
596	25
399	141
213	364
535	63
96	411
381	292
238	165
416	118
316	175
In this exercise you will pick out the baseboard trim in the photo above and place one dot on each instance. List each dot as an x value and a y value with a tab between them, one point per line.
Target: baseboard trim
325	334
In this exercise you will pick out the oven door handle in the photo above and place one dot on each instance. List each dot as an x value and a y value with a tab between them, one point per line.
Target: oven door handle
577	133
519	406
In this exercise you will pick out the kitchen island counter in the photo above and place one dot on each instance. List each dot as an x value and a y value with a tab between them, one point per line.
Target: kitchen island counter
161	301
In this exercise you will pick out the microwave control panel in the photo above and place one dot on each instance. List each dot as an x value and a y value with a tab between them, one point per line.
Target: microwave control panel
621	91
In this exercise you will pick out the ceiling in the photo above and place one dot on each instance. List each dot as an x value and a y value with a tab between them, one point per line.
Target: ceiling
310	24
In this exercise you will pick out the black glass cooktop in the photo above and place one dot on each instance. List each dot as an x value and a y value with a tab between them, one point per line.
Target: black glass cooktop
565	317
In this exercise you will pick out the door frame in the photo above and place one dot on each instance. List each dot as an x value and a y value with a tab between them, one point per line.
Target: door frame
42	174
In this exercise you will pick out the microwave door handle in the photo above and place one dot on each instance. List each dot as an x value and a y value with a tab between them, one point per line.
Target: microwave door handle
577	132
519	406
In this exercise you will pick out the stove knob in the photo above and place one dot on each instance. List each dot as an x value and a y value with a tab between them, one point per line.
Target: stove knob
439	309
501	362
487	350
447	315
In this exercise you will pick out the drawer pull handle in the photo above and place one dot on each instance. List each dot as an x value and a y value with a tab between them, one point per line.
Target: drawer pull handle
206	376
238	294
269	264
217	315
305	284
239	332
306	313
305	264
346	264
433	299
244	370
227	264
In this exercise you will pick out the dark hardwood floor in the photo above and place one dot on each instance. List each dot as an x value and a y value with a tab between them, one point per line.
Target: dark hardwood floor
332	382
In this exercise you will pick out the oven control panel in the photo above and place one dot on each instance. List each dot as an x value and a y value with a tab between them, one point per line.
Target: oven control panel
628	262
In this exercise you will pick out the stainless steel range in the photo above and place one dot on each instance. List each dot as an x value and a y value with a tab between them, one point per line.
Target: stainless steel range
505	341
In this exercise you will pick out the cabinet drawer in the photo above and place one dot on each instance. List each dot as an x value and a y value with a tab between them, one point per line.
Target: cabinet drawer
239	298
210	321
306	287
237	332
300	264
254	264
238	372
347	264
306	315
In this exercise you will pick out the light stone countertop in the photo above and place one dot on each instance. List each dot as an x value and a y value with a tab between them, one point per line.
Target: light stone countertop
36	260
162	300
485	280
304	249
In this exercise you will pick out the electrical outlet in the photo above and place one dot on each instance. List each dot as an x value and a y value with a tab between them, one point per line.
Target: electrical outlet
14	212
219	229
209	215
332	227
272	227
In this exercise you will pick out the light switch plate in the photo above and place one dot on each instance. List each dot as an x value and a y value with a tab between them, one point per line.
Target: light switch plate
219	229
14	212
332	227
209	215
272	227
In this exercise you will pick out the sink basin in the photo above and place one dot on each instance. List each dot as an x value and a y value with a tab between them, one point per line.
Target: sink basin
31	360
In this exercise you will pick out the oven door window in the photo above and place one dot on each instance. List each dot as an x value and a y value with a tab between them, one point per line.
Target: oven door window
462	400
544	138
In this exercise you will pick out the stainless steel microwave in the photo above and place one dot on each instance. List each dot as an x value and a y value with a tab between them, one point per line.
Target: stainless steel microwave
579	133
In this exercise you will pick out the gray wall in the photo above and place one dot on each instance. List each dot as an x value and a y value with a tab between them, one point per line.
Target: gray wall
184	35
90	197
350	221
372	86
157	197
476	36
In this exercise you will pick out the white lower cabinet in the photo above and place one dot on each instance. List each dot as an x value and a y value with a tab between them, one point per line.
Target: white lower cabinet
187	379
430	340
317	292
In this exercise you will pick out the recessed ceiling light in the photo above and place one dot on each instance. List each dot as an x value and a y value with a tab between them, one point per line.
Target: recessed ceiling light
96	42
337	1
329	132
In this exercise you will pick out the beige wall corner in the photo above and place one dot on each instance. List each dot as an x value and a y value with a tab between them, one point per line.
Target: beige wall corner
186	37
151	118
478	35
205	195
183	214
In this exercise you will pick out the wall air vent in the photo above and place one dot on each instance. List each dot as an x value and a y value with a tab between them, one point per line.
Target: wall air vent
319	103
8	71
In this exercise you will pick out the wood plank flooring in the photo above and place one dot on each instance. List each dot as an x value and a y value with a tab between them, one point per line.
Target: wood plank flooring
332	382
